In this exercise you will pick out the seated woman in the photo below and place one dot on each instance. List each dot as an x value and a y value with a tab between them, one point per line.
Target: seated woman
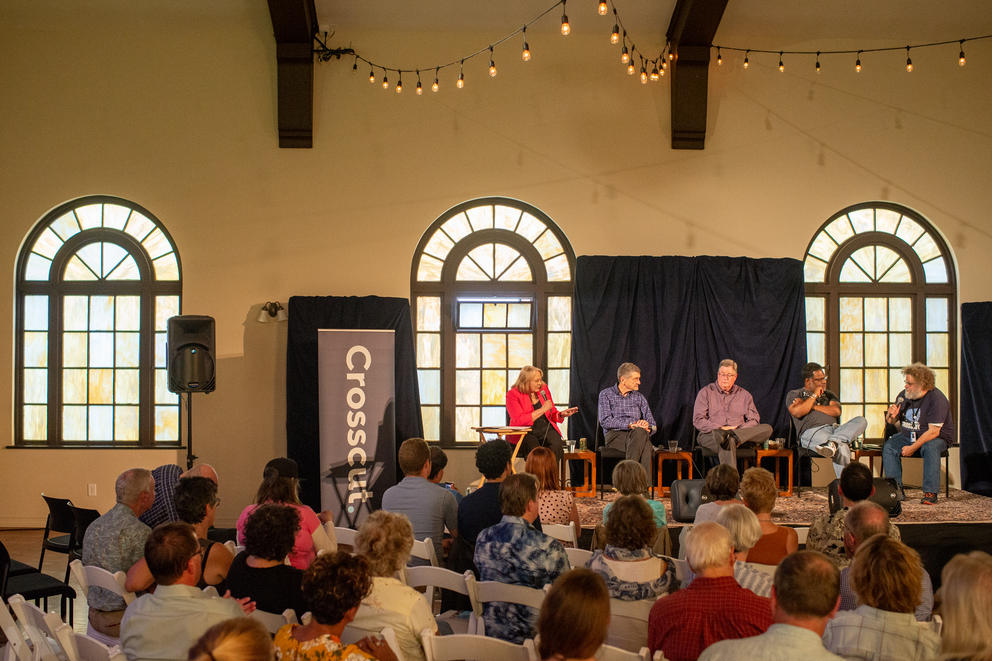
759	491
333	589
723	481
556	505
529	404
630	479
628	566
196	503
886	576
281	485
259	571
240	639
965	598
574	617
385	540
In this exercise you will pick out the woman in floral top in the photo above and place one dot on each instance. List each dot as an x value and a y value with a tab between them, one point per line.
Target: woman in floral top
333	588
556	505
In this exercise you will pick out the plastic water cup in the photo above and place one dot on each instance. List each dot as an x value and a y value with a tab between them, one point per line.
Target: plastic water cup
673	446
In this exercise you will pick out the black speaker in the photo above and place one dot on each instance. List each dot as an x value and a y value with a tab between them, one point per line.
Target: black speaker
190	351
886	494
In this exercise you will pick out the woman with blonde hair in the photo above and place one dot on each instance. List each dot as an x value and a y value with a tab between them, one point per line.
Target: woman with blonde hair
965	606
759	491
556	505
385	540
574	617
240	639
529	404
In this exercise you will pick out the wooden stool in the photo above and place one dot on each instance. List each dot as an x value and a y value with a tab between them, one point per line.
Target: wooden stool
679	457
588	488
871	454
778	454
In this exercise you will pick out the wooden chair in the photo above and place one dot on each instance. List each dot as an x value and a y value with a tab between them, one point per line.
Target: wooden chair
474	647
487	591
91	576
578	557
274	621
353	634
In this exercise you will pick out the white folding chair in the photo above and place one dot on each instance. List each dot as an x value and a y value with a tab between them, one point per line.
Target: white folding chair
91	576
231	546
424	549
487	591
345	536
475	648
353	634
766	569
629	623
324	539
32	620
439	577
274	621
17	648
80	647
610	653
577	557
561	532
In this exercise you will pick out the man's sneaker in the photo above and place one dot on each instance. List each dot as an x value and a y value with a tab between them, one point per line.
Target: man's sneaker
827	450
929	498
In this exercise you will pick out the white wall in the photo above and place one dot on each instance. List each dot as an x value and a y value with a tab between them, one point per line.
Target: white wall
172	105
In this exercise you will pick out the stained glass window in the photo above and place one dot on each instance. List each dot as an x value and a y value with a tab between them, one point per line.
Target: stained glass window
492	287
879	296
98	279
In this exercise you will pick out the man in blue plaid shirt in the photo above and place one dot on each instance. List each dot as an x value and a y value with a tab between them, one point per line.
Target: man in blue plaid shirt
626	418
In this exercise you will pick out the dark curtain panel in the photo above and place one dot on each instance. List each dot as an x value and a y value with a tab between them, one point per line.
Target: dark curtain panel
676	318
307	314
974	433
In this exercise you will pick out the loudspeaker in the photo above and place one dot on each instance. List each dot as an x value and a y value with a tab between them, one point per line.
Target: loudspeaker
190	351
886	494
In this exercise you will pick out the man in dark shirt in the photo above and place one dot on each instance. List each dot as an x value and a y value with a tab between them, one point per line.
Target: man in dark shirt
923	416
480	509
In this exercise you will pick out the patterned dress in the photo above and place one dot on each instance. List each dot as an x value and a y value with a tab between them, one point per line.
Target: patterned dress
321	648
513	551
555	506
659	578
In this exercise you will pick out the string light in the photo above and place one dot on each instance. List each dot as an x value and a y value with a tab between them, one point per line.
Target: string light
746	61
719	57
420	88
857	63
525	53
399	84
565	27
624	56
631	68
909	62
818	61
385	80
961	60
492	64
664	62
461	76
354	67
615	35
654	74
781	64
436	85
644	73
603	8
371	76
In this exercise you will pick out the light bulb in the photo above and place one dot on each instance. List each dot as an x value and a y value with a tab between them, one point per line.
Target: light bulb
624	55
565	27
631	68
615	35
818	61
644	75
909	62
371	76
746	62
961	60
671	55
385	82
461	81
492	69
857	63
654	74
399	86
719	58
435	86
603	8
664	63
420	88
525	54
781	65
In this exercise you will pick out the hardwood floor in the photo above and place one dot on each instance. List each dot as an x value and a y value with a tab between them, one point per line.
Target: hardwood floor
25	545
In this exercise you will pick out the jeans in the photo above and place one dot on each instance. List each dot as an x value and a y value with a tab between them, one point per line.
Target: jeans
931	451
840	434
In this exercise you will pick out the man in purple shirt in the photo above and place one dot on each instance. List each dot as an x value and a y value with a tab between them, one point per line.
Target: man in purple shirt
726	417
626	418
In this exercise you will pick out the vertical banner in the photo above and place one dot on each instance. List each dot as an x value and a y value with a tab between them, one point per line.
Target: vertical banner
355	371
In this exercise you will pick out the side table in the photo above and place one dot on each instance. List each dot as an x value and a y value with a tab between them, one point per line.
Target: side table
778	455
680	457
588	488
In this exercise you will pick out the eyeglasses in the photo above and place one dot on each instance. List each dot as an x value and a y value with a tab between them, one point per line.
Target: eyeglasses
726	375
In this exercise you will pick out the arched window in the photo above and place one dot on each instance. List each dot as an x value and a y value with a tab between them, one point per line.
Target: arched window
880	294
97	280
492	289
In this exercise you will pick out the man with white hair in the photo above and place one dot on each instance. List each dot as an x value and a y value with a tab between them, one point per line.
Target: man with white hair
745	531
713	608
115	541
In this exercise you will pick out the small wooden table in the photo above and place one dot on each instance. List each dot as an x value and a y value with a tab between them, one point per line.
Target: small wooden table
680	457
503	432
777	454
871	454
588	488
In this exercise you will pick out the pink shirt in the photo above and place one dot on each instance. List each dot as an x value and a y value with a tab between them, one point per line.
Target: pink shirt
303	551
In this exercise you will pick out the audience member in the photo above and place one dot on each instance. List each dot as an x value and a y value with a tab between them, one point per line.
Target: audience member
713	608
826	533
804	598
429	507
439	460
281	485
555	505
759	491
259	572
745	531
239	639
514	551
965	597
726	417
722	482
115	541
629	479
863	521
333	588
574	617
885	575
167	476
481	509
385	540
628	566
166	623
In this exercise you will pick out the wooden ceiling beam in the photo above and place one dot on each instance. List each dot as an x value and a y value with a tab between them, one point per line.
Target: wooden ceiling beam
294	22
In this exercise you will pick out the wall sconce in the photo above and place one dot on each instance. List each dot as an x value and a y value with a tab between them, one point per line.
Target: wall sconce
272	311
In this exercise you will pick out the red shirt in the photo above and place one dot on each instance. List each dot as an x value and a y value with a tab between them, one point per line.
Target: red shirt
686	622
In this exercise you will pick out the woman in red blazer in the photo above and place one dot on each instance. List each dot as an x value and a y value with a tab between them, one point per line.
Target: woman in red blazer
529	404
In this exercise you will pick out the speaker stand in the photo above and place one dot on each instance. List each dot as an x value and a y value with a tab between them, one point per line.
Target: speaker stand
190	457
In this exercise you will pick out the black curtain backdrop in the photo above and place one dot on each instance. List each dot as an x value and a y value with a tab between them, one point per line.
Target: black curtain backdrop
307	314
676	318
974	433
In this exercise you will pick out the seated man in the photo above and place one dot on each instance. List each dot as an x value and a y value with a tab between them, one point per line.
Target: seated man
725	416
804	599
626	418
863	521
430	507
514	551
923	416
167	476
115	541
164	624
745	531
714	607
826	533
438	462
815	412
886	578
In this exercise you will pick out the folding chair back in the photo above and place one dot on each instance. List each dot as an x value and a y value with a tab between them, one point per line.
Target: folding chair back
80	647
561	532
487	591
475	648
438	577
17	647
274	621
424	550
611	653
32	620
92	576
578	557
345	536
353	634
629	623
